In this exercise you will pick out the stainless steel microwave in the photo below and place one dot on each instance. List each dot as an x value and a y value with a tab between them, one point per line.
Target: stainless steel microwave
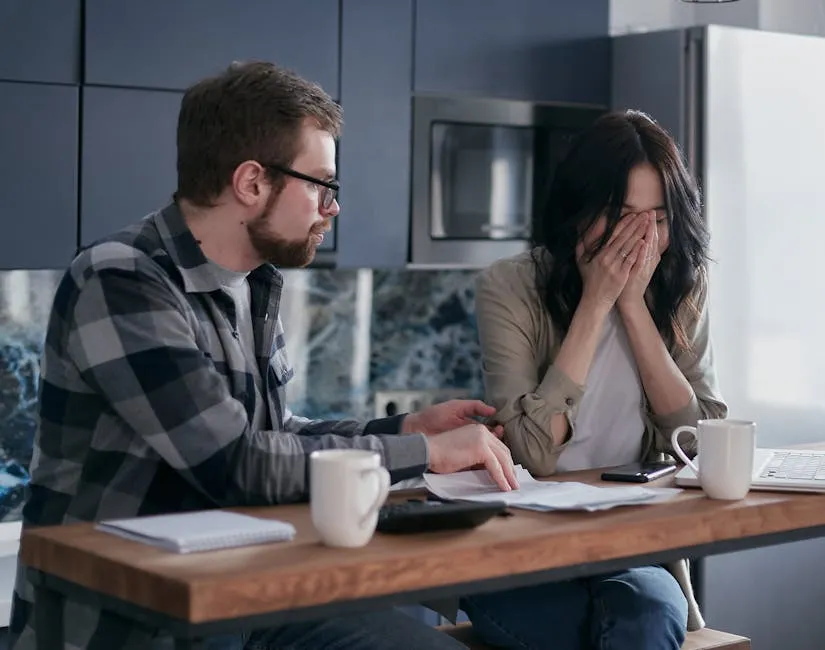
481	168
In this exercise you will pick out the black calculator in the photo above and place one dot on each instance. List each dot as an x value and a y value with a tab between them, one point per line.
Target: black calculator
423	516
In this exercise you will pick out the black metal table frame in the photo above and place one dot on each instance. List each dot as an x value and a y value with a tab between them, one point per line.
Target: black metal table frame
51	590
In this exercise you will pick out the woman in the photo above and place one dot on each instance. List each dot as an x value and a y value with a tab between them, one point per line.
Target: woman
595	348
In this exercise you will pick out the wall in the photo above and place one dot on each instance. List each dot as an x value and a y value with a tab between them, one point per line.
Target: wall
628	16
791	16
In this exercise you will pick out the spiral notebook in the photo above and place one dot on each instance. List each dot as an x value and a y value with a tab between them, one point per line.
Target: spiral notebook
204	530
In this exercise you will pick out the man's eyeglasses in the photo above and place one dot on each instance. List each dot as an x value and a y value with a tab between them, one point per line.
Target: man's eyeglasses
328	191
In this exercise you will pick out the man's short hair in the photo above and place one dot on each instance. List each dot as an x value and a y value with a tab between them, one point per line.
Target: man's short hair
251	111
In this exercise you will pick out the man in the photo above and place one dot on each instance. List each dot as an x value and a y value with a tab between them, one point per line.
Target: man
164	369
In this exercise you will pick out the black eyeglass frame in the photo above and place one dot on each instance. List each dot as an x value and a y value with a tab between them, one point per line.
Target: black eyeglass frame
327	197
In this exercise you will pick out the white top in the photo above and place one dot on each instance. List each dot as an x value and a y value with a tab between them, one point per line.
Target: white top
609	424
237	286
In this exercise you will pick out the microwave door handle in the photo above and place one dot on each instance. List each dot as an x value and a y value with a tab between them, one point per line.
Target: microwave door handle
439	184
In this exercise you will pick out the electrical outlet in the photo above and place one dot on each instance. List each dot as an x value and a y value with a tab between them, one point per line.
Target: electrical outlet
393	402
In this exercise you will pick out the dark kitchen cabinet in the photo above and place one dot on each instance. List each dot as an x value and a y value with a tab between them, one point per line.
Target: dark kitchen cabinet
40	41
376	82
38	175
128	159
554	50
170	45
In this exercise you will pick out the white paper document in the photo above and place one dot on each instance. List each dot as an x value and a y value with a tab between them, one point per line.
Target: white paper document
477	485
416	483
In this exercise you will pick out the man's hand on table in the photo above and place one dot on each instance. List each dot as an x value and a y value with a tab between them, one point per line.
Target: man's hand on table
457	440
470	446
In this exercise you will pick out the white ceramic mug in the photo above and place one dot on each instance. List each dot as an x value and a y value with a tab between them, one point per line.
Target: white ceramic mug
346	489
725	456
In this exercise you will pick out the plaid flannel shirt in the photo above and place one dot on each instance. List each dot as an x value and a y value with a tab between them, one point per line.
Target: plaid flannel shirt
146	398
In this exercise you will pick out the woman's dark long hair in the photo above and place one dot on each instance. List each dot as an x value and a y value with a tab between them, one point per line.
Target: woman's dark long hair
592	181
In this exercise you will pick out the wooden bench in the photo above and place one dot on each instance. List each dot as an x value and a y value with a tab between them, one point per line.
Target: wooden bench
705	639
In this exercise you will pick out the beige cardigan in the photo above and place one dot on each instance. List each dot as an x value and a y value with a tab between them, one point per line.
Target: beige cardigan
519	344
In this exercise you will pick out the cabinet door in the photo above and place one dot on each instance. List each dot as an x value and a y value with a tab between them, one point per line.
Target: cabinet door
163	44
376	79
523	49
38	175
129	156
40	40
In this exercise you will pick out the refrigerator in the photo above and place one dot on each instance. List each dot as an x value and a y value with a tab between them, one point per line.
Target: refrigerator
748	109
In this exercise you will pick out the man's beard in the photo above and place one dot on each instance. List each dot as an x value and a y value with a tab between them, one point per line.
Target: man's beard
277	250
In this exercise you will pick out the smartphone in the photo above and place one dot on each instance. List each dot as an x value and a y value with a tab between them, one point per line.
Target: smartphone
638	472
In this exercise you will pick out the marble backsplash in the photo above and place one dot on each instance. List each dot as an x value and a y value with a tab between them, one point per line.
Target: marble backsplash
352	333
349	333
25	301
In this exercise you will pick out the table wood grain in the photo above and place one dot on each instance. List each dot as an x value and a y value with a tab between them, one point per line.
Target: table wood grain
289	576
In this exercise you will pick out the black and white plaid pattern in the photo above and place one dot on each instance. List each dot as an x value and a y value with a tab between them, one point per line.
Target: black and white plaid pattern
146	398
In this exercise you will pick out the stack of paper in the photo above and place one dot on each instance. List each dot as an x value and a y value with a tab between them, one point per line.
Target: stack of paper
542	495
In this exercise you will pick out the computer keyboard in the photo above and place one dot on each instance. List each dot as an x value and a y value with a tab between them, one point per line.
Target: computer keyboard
795	465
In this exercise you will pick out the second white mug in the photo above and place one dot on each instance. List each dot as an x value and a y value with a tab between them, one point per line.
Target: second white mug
725	457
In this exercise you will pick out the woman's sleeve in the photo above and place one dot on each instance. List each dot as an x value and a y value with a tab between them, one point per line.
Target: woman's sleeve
526	399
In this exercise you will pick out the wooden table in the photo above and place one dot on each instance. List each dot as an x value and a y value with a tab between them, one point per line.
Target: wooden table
220	592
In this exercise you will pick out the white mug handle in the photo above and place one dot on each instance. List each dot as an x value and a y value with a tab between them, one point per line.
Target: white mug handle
674	441
383	477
